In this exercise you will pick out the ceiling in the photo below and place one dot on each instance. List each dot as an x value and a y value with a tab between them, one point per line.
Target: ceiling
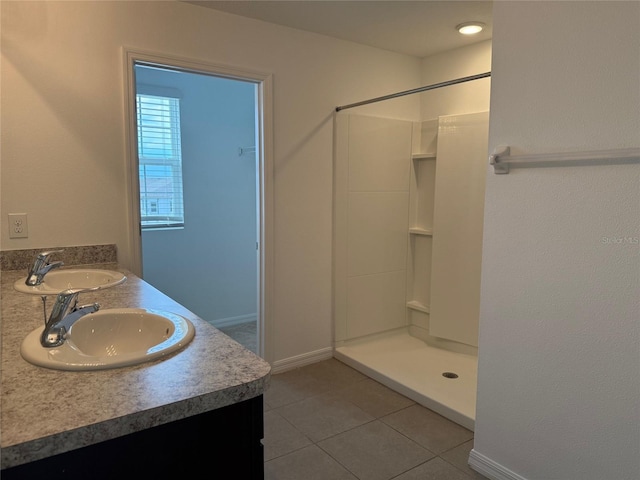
419	28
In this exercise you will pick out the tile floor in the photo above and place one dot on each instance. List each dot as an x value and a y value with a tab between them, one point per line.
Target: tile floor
327	421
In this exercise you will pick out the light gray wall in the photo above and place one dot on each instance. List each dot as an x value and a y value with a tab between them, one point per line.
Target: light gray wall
210	265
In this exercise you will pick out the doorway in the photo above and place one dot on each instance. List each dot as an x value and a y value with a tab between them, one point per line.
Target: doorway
199	182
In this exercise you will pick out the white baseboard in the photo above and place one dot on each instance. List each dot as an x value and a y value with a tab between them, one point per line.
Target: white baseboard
233	321
290	363
490	469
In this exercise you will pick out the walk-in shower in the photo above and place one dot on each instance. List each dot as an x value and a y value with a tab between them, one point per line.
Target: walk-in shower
408	216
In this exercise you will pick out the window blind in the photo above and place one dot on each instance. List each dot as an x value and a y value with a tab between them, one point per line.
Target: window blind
160	161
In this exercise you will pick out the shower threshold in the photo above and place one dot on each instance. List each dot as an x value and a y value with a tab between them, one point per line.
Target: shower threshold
415	369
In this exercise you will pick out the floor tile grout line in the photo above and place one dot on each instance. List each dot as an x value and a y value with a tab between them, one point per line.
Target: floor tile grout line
337	461
294	427
435	455
297	430
461	443
415	466
455	466
290	452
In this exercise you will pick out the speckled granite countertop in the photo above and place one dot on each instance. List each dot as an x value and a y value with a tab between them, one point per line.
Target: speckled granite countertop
45	412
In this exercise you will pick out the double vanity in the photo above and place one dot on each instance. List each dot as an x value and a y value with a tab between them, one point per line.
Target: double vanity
173	397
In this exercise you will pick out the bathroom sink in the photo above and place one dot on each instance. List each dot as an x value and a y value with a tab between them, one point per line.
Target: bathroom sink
112	338
59	280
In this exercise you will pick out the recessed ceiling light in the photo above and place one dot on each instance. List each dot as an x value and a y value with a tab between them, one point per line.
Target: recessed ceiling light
470	28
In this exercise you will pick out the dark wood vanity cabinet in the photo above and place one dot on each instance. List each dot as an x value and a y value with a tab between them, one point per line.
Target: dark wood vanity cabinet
224	444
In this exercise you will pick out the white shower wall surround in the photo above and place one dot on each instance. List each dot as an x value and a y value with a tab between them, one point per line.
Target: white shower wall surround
408	240
457	224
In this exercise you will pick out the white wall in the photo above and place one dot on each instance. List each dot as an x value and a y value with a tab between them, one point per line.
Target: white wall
468	97
63	150
559	353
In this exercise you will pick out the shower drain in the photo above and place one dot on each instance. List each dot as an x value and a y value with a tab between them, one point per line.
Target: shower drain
450	375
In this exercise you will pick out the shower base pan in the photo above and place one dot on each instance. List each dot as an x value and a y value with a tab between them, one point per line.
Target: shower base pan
415	369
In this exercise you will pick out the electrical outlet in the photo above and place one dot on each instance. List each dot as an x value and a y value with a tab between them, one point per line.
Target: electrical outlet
18	225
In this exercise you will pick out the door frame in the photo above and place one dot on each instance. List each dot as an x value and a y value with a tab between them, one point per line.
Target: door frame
264	150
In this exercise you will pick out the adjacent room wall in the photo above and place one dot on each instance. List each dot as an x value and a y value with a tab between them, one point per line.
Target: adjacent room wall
63	146
559	352
209	265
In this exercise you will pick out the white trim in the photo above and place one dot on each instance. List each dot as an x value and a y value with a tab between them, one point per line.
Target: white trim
233	321
159	91
301	360
132	176
267	221
490	469
264	83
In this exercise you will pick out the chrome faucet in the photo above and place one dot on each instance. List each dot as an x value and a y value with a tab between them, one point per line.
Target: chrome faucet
64	314
41	267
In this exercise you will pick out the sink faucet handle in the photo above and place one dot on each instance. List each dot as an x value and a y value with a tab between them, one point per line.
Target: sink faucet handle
48	253
41	267
71	294
75	292
63	304
66	302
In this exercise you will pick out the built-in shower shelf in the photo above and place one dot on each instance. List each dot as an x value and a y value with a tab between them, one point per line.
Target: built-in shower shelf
424	156
421	231
420	307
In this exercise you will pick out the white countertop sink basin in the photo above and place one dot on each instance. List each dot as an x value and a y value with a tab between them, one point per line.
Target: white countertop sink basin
59	280
112	338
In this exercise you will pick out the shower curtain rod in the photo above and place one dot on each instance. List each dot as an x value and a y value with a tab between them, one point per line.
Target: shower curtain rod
416	90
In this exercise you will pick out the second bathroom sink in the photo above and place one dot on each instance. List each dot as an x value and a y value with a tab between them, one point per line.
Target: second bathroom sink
59	280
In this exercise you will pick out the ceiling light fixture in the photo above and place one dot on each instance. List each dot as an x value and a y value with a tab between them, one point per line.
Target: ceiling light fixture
470	28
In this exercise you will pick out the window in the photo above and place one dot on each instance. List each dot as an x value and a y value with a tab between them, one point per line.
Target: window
160	161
